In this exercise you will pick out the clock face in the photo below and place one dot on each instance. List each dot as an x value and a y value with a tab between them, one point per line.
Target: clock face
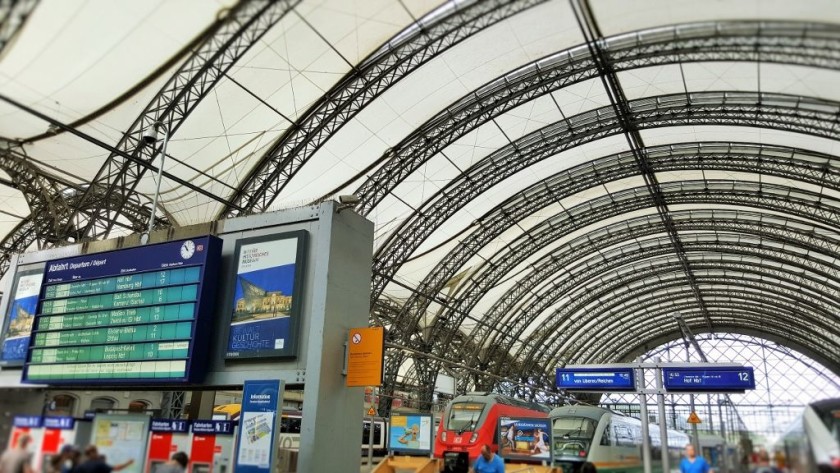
187	249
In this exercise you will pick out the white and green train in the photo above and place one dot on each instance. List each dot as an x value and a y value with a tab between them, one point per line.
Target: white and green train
609	440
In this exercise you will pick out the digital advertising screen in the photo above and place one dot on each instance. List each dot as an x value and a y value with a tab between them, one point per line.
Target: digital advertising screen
266	301
135	315
411	434
19	316
525	439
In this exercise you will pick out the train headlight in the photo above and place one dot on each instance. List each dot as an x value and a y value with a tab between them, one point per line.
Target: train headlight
474	437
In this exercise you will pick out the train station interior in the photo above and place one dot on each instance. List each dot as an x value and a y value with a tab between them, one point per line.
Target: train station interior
506	188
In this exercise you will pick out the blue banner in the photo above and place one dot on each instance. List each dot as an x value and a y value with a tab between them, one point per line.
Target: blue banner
258	423
212	427
61	423
596	379
27	421
266	301
525	438
737	379
411	433
169	425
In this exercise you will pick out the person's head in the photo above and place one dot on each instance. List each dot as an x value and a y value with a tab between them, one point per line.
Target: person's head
92	452
67	451
486	452
689	451
181	458
588	467
24	441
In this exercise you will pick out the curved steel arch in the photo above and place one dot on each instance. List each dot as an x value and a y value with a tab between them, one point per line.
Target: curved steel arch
763	110
244	25
813	168
778	198
749	223
517	320
640	266
744	41
765	344
832	365
616	204
367	81
642	278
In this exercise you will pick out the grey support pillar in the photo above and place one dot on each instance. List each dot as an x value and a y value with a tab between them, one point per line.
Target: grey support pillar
331	429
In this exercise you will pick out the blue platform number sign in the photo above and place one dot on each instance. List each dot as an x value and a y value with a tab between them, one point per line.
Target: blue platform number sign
258	426
734	379
596	379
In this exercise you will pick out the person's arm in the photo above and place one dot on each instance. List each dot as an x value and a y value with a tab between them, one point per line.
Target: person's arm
123	466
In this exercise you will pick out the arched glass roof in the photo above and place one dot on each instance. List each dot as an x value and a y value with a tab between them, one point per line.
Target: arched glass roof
551	181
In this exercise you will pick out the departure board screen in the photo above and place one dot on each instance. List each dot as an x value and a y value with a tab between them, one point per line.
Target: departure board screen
136	315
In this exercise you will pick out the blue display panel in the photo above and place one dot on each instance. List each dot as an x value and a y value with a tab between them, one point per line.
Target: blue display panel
596	379
737	379
524	438
169	425
267	295
135	316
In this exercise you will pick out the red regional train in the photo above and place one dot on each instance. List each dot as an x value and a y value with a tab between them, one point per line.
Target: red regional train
471	421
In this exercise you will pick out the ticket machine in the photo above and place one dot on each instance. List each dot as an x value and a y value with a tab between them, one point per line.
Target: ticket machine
167	436
57	432
212	446
32	425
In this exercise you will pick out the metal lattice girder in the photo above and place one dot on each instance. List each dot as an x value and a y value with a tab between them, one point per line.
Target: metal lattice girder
775	111
805	44
637	259
720	156
775	198
13	15
806	166
628	291
243	26
362	85
526	299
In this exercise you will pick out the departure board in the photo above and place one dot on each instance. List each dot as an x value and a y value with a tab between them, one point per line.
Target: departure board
136	315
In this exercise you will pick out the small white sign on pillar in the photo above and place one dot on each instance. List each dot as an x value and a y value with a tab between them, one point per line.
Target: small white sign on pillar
445	384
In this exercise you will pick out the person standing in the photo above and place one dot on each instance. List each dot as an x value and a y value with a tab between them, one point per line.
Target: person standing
94	463
17	459
176	464
691	463
488	462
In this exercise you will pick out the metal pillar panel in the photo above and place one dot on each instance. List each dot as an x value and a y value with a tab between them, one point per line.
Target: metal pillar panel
332	412
201	404
663	427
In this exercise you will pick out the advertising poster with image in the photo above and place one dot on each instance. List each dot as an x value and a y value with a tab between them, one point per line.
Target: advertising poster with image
411	433
19	316
258	426
525	438
266	299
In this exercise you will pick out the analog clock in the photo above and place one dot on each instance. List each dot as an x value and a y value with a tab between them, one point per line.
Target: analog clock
187	249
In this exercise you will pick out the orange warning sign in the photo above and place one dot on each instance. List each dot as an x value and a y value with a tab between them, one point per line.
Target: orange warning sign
371	411
364	356
693	418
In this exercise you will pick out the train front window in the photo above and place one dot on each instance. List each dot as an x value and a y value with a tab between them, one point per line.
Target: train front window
572	436
463	416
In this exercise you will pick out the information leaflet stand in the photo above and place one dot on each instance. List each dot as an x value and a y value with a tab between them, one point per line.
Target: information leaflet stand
410	435
166	436
259	424
212	446
526	441
58	431
121	438
32	425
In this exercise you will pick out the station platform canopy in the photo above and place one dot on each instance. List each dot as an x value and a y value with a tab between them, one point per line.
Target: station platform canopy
552	182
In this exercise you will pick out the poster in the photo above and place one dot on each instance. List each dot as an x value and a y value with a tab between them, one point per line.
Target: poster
265	307
525	438
121	438
410	433
258	424
20	315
